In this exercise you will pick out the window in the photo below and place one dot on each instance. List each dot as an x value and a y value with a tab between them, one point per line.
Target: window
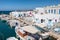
46	11
54	11
19	15
50	20
37	19
41	13
42	20
51	11
59	11
24	14
55	20
16	23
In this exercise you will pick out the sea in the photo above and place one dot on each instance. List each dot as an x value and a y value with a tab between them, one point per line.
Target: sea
5	12
5	30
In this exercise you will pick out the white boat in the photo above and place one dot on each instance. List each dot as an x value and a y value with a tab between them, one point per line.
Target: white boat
30	32
11	38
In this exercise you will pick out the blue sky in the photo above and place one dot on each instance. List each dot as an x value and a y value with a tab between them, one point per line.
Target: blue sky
25	4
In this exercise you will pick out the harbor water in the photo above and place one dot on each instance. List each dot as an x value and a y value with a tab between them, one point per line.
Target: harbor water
6	31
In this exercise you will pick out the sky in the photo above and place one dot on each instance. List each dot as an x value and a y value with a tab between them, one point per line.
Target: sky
25	4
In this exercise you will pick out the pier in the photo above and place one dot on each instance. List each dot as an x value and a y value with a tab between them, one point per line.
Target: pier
57	36
23	21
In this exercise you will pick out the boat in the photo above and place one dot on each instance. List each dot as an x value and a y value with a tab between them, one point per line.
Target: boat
11	38
30	32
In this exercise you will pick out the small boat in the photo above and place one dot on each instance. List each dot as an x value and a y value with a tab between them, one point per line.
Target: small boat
11	38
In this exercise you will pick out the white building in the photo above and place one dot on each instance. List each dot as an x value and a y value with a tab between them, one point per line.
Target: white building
16	14
21	14
54	9
46	14
39	10
42	14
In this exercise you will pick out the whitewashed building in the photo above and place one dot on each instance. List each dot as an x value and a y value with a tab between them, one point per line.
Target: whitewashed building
54	9
21	14
42	14
47	15
39	10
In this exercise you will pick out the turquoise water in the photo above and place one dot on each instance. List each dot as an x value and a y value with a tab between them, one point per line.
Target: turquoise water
6	31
